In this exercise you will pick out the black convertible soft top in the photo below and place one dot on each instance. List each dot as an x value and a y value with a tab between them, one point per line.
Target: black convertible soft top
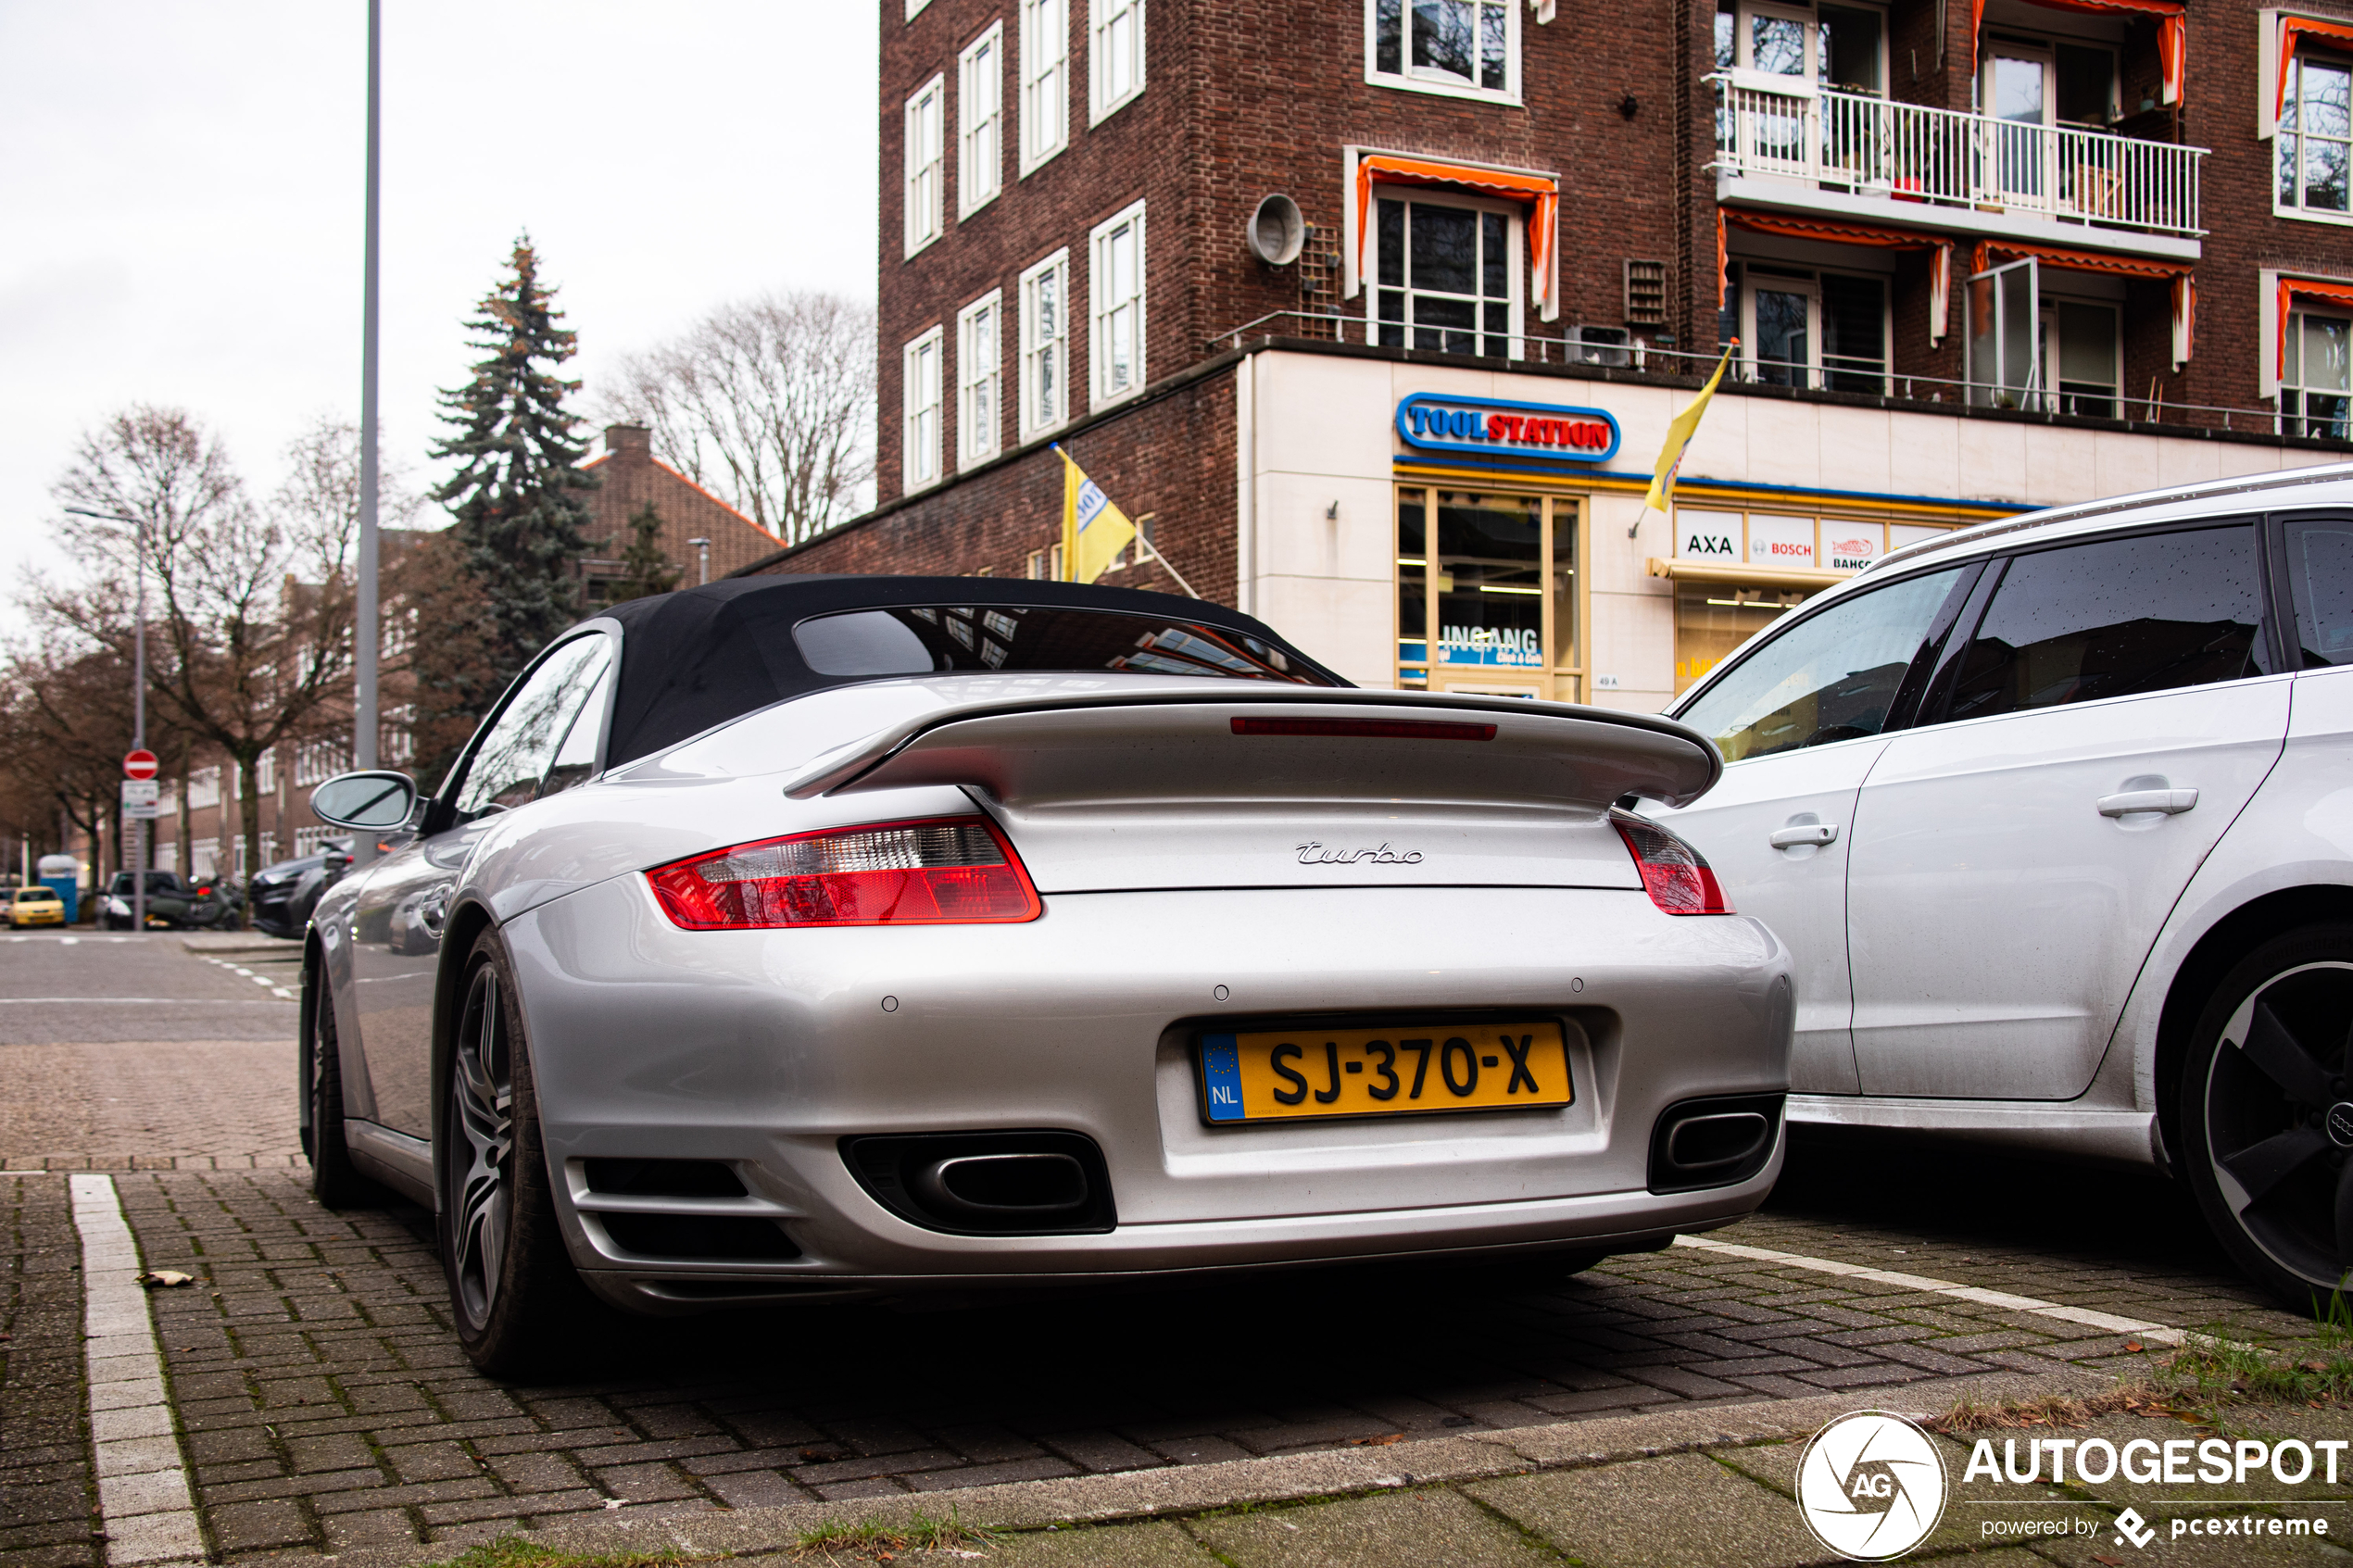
703	656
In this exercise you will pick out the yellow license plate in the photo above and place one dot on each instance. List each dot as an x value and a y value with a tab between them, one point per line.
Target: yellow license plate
1280	1075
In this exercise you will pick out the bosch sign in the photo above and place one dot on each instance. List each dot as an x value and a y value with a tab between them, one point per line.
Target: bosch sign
1489	426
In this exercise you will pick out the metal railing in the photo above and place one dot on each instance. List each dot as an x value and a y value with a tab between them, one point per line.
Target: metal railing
1908	153
1644	361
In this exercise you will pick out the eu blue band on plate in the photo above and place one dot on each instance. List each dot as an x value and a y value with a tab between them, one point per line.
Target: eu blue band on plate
1221	1073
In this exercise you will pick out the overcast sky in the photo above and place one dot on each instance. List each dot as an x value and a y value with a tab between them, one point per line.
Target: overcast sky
181	200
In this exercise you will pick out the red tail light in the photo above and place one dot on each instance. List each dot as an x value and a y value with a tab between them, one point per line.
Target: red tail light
1675	875
950	870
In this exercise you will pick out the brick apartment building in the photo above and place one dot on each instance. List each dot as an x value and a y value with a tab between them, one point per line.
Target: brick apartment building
1981	255
630	478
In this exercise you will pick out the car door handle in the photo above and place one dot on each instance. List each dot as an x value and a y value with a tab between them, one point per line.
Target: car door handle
434	911
1808	832
2169	802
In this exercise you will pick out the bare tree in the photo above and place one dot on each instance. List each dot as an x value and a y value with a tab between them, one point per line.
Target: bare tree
250	608
768	403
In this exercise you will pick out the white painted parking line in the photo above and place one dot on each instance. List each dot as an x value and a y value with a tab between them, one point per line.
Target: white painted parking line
146	1001
2158	1332
143	1505
275	990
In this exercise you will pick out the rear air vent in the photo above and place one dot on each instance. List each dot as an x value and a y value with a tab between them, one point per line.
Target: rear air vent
988	1183
1713	1143
664	1178
718	1237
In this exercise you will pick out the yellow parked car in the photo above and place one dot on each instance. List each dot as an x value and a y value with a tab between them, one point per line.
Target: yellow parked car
35	905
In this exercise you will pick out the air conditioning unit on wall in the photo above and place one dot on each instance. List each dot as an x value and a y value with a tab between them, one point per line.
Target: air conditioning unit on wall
1609	346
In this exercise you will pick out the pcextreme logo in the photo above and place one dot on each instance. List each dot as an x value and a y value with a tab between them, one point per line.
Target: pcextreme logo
1871	1485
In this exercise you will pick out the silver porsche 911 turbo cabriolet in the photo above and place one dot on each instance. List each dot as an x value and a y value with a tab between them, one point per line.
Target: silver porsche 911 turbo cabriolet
809	938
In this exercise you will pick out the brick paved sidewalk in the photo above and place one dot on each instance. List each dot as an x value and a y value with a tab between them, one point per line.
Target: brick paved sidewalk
47	1498
326	1406
159	1105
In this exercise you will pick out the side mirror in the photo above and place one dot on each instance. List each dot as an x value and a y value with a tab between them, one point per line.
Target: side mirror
371	801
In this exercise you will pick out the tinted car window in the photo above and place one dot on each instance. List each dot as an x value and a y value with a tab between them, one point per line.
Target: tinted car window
2320	569
1026	639
1831	676
515	754
2116	618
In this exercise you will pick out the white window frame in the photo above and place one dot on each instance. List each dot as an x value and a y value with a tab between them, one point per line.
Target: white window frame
920	380
1036	345
1102	307
980	121
1514	257
980	379
2300	386
1045	80
2278	140
1103	16
925	154
916	8
1437	83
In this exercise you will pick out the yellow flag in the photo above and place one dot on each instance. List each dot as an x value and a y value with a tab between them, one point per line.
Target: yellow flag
1679	432
1093	530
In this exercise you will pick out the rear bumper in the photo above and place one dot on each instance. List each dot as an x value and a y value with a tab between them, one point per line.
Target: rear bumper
761	1050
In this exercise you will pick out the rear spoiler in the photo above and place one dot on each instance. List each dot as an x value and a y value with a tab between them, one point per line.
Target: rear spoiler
1193	745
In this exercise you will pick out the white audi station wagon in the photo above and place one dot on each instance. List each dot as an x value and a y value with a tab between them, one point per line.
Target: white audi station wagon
2056	816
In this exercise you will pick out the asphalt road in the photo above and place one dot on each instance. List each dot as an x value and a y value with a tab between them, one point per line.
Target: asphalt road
90	988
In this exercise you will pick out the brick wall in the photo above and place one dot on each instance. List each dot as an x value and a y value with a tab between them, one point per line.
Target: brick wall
631	477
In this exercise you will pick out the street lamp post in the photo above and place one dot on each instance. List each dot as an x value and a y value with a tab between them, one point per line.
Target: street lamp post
704	545
138	698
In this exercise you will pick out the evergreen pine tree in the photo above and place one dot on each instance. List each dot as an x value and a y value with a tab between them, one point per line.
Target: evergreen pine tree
645	569
517	496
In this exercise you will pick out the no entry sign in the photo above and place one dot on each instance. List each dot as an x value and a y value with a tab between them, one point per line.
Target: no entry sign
139	764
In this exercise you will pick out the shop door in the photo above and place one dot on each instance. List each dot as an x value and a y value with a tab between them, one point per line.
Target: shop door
1487	593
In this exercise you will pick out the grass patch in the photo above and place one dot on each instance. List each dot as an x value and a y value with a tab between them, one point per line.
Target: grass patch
513	1551
881	1542
2049	1410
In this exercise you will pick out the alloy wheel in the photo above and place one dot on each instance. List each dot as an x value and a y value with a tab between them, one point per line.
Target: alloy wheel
2279	1120
481	1198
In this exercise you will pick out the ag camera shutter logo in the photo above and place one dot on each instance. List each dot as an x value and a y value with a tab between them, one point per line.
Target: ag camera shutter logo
1871	1485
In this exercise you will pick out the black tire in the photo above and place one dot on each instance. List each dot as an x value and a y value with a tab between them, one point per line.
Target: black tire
2266	1101
335	1181
519	1306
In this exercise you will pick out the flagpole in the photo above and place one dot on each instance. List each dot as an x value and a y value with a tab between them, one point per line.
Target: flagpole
1680	431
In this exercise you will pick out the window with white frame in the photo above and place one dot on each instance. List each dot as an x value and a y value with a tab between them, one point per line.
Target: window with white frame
914	9
1810	329
2315	135
1445	273
919	461
315	761
1115	57
1115	305
980	327
2316	376
1462	47
980	121
204	788
1045	346
266	774
1045	80
924	158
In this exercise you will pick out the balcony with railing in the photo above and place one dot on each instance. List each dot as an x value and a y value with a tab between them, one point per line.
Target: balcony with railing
1958	172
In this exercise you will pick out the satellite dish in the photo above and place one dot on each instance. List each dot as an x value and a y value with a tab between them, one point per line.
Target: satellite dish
1276	232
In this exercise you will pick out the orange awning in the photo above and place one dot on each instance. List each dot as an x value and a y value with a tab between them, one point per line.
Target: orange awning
2171	29
1881	235
1542	192
2181	274
2292	289
2294	28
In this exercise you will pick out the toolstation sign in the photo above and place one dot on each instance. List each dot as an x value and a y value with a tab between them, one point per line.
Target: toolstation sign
1429	421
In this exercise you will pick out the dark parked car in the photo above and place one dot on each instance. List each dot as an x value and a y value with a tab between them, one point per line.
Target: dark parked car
285	893
172	905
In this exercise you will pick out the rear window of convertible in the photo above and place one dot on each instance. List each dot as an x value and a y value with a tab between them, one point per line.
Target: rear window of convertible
1027	639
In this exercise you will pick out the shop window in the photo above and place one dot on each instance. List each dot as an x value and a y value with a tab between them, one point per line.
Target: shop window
1820	329
1115	299
1116	60
1487	593
919	388
1045	344
2315	137
1464	47
924	157
1446	275
2316	377
979	328
980	118
1045	80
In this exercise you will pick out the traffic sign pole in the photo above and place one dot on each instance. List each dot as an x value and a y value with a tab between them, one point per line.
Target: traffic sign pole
139	792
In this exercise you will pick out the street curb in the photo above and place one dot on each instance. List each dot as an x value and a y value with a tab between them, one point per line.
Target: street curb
1195	1488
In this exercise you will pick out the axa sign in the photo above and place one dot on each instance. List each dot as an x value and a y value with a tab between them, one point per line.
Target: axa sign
1430	421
